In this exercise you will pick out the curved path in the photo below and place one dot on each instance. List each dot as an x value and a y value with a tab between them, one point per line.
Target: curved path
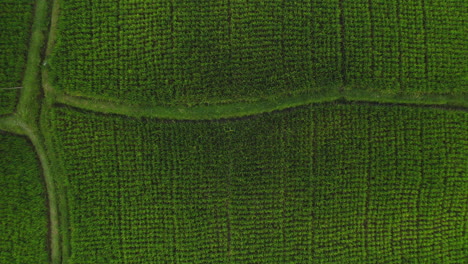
25	121
228	110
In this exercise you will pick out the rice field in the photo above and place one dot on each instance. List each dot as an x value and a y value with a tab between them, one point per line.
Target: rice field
218	52
318	183
23	211
226	131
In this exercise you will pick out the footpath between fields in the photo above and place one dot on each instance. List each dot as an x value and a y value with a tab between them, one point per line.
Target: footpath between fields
26	121
237	110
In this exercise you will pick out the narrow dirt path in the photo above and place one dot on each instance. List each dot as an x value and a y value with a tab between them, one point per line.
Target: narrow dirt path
55	173
54	239
234	110
25	121
58	207
191	113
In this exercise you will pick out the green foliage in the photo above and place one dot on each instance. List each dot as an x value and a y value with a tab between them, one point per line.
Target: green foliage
23	212
15	20
187	53
192	53
415	48
8	98
326	183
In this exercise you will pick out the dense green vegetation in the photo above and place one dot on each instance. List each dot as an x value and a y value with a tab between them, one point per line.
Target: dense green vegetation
186	52
411	47
15	20
8	100
191	53
207	143
23	213
326	182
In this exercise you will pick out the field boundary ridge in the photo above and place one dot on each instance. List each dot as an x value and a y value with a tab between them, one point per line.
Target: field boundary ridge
234	110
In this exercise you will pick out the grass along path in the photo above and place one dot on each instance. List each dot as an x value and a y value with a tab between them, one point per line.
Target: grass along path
236	109
53	27
191	113
29	102
49	47
11	124
63	245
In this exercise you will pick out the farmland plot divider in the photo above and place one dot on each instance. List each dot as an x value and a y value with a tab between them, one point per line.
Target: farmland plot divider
229	110
25	120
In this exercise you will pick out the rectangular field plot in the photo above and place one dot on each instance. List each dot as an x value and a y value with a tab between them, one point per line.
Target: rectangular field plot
192	53
15	19
405	48
197	53
326	183
23	212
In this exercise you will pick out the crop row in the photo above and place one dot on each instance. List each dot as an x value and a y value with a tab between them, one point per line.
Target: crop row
326	182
